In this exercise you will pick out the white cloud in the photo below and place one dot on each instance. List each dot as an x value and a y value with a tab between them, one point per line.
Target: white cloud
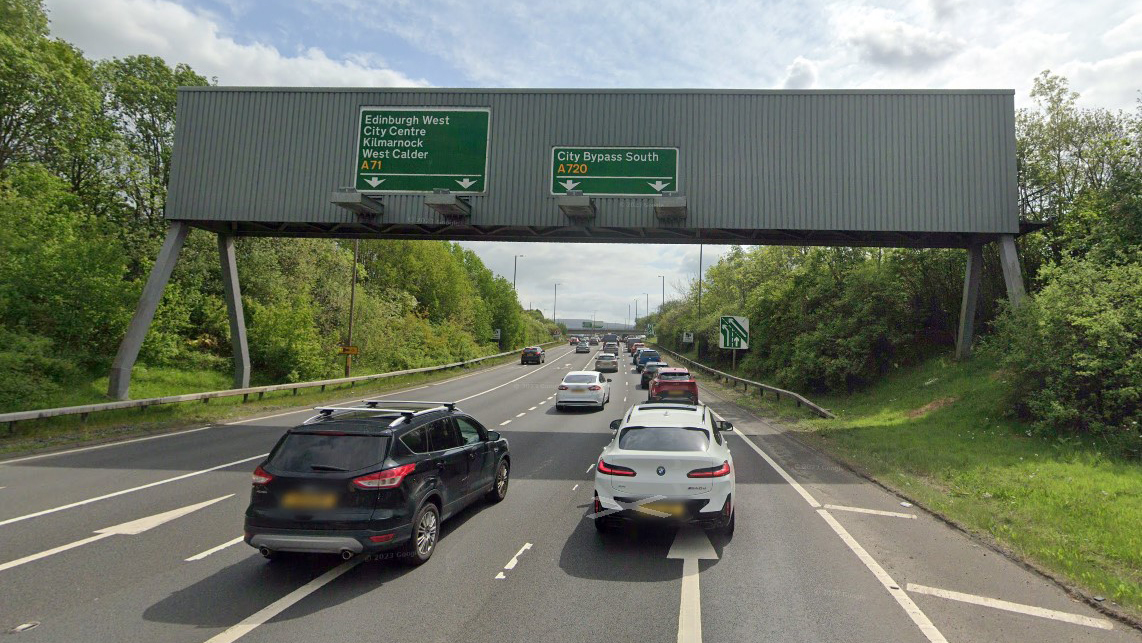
801	74
119	28
882	39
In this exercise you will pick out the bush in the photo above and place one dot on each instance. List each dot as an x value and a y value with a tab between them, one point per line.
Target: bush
30	374
1074	353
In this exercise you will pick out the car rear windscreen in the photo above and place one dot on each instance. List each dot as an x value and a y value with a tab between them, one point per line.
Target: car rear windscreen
580	379
302	452
673	376
648	355
663	438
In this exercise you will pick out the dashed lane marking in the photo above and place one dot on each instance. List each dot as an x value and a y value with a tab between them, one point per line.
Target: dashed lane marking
575	487
519	415
505	422
875	512
534	407
214	550
1030	610
590	467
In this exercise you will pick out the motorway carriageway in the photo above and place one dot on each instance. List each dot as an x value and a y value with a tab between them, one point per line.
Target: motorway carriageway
139	541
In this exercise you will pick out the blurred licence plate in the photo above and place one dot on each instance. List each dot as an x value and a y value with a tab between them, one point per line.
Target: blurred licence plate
673	508
676	392
308	500
578	390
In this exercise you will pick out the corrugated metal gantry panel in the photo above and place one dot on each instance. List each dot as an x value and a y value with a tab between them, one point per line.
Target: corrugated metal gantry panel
890	167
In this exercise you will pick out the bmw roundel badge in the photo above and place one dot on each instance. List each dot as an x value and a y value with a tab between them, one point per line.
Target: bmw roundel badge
661	471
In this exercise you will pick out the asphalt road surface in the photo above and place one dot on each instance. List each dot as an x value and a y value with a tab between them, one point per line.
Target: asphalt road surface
139	541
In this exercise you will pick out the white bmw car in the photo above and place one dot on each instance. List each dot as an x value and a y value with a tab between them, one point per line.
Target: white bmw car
667	462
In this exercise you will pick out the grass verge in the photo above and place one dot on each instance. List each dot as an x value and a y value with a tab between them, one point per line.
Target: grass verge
68	431
937	434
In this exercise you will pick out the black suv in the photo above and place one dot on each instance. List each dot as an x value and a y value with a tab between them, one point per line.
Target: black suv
533	354
362	480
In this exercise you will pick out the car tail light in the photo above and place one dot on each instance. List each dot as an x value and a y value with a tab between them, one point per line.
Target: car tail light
594	387
562	387
384	538
386	479
614	469
712	472
261	477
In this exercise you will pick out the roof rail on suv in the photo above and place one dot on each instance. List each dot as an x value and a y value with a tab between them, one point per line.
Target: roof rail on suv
406	415
451	406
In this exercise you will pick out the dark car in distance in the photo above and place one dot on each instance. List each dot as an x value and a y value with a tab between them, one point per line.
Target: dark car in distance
367	480
649	371
533	355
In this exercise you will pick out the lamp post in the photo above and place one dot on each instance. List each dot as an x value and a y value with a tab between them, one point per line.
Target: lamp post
515	265
663	278
647	295
555	303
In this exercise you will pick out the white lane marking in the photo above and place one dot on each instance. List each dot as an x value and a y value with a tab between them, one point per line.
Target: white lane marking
3	487
776	467
691	545
500	576
1030	610
214	550
130	528
496	388
575	487
515	559
260	617
531	409
102	446
590	467
519	415
541	403
126	491
910	608
875	512
624	398
505	422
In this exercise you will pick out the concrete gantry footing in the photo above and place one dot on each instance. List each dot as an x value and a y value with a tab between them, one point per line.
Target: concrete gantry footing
234	308
119	382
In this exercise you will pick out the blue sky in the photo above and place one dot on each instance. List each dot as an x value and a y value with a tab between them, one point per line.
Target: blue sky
1097	44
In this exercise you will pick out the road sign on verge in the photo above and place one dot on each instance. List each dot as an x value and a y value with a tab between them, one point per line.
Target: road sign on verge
418	149
614	171
349	350
733	332
496	334
687	337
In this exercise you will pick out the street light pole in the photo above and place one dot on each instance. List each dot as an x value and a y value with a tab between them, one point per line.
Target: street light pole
647	295
697	340
663	278
555	303
515	266
352	300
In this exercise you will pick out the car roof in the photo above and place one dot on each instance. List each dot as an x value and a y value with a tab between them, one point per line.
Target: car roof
581	373
673	369
667	414
381	416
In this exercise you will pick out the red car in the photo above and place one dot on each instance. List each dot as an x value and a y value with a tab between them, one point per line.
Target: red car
673	385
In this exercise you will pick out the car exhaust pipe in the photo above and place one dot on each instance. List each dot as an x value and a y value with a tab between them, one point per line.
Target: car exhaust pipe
346	554
265	551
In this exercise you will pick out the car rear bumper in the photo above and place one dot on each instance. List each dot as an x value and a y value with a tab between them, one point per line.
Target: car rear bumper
701	512
325	542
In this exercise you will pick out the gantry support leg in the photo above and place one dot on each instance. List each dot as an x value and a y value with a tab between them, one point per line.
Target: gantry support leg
119	383
234	307
1012	276
971	297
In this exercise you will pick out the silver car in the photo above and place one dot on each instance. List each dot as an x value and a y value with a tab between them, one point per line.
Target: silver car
583	388
607	362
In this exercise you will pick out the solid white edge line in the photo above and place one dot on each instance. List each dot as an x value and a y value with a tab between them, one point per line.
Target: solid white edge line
103	446
1030	610
125	491
875	512
213	550
260	617
690	604
776	467
910	608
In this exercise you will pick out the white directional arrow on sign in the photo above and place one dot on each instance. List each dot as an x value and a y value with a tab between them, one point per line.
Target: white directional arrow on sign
130	528
691	545
569	185
374	181
658	185
466	183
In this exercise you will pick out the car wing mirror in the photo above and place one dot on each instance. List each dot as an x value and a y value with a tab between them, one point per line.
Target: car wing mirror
725	426
608	379
493	436
615	424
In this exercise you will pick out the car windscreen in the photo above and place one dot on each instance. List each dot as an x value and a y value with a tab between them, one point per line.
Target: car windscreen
673	376
663	438
580	379
308	452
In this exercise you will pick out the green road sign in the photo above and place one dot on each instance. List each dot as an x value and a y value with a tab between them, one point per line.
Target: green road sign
734	332
614	171
419	149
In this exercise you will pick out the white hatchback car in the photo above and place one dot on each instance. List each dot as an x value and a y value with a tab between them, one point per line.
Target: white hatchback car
667	462
583	388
